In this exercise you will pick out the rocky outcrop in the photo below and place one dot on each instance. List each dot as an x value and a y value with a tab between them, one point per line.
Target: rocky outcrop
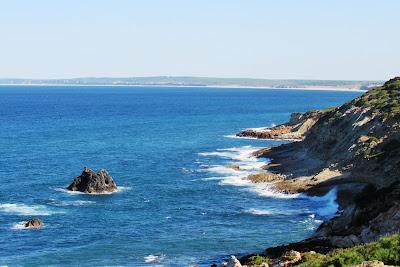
371	264
295	129
360	138
232	262
34	223
357	147
264	177
374	213
91	182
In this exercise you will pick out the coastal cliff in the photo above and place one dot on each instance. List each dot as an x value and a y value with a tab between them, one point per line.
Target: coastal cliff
355	148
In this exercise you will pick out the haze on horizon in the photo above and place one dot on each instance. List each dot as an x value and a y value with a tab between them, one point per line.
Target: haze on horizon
289	39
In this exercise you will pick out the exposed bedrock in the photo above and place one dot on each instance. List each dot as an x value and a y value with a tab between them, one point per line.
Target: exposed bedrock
356	148
295	129
91	182
33	224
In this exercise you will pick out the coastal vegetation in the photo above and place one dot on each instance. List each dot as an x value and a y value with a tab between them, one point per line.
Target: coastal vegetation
384	99
386	250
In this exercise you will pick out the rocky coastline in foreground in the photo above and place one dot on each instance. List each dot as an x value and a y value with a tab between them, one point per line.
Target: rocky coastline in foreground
354	148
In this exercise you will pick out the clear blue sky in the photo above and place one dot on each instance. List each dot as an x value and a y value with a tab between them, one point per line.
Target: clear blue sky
310	39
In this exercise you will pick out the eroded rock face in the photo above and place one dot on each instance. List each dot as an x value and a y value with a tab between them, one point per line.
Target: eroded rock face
295	129
91	182
34	223
375	213
265	177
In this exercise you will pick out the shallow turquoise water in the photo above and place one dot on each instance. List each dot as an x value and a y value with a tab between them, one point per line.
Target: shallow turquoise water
166	148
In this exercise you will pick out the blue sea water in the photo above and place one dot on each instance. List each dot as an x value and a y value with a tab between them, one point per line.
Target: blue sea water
167	148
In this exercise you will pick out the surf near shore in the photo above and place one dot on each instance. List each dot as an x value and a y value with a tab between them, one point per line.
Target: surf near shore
353	148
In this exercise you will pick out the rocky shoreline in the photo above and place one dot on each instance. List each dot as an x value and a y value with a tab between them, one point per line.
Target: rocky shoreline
294	130
354	148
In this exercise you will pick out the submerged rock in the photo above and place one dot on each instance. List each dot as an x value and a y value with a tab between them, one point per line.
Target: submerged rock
235	167
91	182
34	223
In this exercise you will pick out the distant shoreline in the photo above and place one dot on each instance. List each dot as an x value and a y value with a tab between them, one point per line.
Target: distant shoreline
304	88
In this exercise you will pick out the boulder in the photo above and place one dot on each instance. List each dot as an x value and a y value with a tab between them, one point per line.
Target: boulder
34	223
235	167
91	182
265	177
234	262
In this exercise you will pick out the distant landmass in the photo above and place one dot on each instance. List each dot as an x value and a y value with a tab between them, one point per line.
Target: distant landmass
197	81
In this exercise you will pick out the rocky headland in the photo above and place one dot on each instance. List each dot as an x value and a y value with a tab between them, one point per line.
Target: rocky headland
295	129
354	148
92	182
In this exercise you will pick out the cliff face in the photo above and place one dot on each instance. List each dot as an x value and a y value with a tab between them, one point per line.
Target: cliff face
360	138
355	147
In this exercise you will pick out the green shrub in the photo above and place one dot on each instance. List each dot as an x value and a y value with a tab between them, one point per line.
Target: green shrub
344	258
257	260
387	250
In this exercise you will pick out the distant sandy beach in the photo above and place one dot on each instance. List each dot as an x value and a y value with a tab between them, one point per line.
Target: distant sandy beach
308	88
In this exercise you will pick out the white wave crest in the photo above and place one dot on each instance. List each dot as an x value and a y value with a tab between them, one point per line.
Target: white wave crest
245	137
329	205
244	153
22	209
259	212
71	203
119	190
19	226
248	164
235	180
267	190
153	258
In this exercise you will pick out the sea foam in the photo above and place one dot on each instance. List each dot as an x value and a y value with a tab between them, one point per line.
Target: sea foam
119	190
248	164
330	205
259	211
71	203
22	209
153	258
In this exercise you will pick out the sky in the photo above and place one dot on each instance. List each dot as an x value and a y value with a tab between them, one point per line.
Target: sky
285	39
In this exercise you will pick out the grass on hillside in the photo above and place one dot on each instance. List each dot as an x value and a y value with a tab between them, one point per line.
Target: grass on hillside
383	99
387	250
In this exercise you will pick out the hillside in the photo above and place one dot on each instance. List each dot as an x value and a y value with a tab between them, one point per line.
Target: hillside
355	148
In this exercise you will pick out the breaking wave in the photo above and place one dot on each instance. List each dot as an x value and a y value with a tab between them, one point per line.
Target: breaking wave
26	210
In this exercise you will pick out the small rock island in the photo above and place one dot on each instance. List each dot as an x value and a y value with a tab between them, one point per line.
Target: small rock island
33	224
91	182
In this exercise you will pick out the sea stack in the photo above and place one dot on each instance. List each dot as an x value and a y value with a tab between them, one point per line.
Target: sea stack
92	182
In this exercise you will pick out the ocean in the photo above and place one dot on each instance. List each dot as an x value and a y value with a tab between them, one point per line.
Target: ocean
167	149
